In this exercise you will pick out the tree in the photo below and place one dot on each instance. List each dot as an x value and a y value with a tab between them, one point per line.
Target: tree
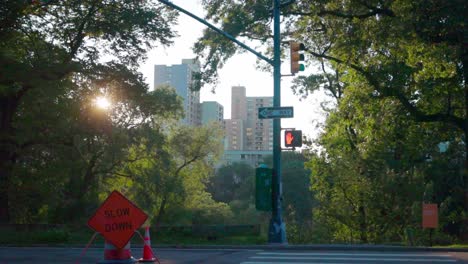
297	198
411	53
174	172
52	49
375	169
232	182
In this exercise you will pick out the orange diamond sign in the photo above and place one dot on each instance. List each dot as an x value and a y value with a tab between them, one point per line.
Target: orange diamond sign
117	219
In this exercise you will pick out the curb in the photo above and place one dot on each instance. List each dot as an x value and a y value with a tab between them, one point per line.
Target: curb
320	247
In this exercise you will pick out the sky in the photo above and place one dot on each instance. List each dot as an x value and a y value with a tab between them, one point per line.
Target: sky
240	70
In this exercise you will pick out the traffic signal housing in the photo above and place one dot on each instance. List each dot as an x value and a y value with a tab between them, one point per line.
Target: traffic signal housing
296	56
263	186
293	138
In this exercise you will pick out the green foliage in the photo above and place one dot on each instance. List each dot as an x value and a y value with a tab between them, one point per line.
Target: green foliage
54	236
233	182
297	197
168	180
234	185
56	57
206	211
396	75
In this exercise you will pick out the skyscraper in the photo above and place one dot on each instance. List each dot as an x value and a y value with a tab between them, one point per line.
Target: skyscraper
235	134
259	132
180	77
245	131
211	111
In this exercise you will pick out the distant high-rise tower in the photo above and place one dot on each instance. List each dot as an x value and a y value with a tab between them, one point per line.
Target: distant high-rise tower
259	132
180	77
244	131
211	112
238	103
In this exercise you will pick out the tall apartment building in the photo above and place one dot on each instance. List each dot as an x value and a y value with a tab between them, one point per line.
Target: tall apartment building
212	111
234	134
245	131
180	77
259	132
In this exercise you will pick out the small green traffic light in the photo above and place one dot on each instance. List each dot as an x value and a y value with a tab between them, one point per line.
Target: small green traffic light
297	57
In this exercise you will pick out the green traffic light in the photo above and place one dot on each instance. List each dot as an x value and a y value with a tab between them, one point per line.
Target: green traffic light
301	67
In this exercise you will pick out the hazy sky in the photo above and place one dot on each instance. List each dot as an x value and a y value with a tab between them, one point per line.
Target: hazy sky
239	70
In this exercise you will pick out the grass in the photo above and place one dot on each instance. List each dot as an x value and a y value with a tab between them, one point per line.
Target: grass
81	236
453	246
61	237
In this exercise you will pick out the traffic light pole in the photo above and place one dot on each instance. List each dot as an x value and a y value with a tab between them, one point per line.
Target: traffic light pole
277	228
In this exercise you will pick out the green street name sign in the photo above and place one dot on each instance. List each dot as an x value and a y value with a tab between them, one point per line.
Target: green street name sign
275	112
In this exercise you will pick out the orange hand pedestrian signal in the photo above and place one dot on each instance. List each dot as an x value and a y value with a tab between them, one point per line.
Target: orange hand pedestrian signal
293	138
289	138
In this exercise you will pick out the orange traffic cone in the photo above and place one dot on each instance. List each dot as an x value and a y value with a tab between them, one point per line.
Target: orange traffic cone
148	255
112	254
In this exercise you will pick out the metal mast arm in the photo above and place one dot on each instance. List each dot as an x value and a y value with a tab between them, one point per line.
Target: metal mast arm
227	35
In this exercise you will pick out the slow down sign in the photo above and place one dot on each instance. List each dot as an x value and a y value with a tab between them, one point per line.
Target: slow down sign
117	219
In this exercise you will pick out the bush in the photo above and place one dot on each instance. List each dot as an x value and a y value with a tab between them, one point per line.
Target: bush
35	237
52	236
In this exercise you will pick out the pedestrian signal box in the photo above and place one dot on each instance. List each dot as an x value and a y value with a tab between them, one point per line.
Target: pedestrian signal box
293	138
263	178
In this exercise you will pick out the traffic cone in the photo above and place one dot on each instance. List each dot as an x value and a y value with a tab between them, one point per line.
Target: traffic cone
148	256
114	255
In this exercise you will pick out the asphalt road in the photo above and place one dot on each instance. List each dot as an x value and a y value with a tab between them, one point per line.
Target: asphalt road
48	255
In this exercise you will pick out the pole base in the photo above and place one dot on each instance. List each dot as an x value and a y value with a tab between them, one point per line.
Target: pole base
277	233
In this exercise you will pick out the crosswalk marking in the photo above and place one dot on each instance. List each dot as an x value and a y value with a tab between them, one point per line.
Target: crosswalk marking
341	258
257	262
352	254
357	259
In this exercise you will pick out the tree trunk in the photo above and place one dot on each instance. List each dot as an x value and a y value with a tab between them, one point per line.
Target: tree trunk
161	212
464	230
5	168
362	224
8	106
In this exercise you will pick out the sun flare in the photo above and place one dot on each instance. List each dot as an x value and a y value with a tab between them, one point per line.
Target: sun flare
102	102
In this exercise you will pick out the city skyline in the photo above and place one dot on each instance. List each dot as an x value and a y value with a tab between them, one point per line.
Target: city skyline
240	70
180	77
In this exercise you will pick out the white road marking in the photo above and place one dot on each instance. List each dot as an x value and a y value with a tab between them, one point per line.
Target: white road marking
358	259
353	254
256	262
340	258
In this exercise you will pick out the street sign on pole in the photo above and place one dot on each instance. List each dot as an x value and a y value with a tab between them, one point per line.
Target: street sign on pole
277	228
117	219
275	112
